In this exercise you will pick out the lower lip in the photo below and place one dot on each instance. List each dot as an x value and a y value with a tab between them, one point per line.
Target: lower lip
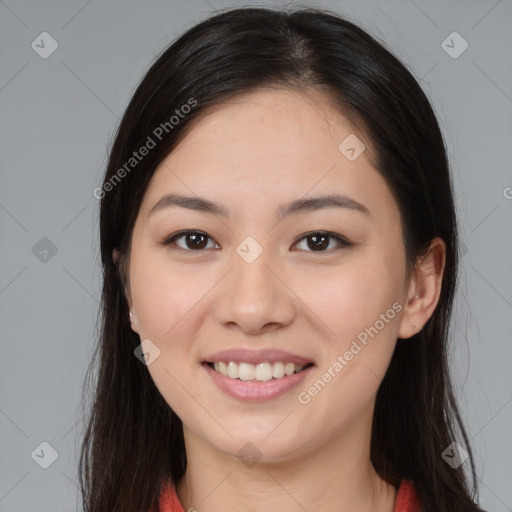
254	391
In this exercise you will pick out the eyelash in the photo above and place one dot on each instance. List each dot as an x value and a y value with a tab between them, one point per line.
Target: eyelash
343	242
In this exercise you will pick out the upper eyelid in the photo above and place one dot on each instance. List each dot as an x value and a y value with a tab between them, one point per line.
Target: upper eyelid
180	234
343	241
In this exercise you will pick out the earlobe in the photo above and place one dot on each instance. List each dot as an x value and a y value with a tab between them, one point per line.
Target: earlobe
424	290
411	320
133	322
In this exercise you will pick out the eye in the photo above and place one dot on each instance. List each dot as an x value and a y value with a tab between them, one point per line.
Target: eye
192	241
319	241
316	241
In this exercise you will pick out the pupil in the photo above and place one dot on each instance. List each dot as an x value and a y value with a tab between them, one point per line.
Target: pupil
319	241
195	238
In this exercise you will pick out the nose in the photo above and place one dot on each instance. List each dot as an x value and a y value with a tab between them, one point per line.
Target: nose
255	298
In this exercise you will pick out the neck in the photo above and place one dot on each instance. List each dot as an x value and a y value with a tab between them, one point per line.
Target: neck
336	476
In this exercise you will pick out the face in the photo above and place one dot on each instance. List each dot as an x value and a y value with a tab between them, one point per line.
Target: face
321	281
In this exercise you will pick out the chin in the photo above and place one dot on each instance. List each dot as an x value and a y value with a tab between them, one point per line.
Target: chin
260	448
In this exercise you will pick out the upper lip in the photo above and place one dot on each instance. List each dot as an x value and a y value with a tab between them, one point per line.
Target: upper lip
242	355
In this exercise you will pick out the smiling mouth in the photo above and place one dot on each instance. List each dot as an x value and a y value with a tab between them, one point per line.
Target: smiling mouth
262	372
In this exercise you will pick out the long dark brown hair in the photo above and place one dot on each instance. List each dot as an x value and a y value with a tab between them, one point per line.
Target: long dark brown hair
133	442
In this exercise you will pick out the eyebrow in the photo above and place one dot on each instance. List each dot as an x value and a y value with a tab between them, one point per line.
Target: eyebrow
294	207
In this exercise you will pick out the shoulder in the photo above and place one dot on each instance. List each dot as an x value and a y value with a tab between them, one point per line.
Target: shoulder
406	498
169	501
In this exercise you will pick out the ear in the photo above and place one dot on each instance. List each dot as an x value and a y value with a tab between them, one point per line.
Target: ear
116	258
424	289
133	321
133	318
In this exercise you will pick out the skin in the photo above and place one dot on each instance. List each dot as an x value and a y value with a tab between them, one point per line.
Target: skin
250	155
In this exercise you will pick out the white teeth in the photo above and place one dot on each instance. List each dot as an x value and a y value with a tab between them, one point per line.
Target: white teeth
232	370
289	368
246	371
222	368
278	370
261	372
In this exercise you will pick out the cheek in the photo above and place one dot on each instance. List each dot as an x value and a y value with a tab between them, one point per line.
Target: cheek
353	297
162	297
165	301
357	306
360	304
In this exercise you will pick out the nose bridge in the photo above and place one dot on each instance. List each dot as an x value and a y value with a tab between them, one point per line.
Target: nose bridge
254	279
251	260
254	297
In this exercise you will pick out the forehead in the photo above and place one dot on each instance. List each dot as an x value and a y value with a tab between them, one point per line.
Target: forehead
285	120
272	143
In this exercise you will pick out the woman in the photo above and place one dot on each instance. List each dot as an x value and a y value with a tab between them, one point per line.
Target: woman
279	246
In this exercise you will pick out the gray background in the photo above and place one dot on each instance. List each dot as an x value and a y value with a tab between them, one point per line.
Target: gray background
57	117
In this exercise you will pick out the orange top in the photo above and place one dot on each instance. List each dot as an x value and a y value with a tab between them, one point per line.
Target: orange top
406	499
